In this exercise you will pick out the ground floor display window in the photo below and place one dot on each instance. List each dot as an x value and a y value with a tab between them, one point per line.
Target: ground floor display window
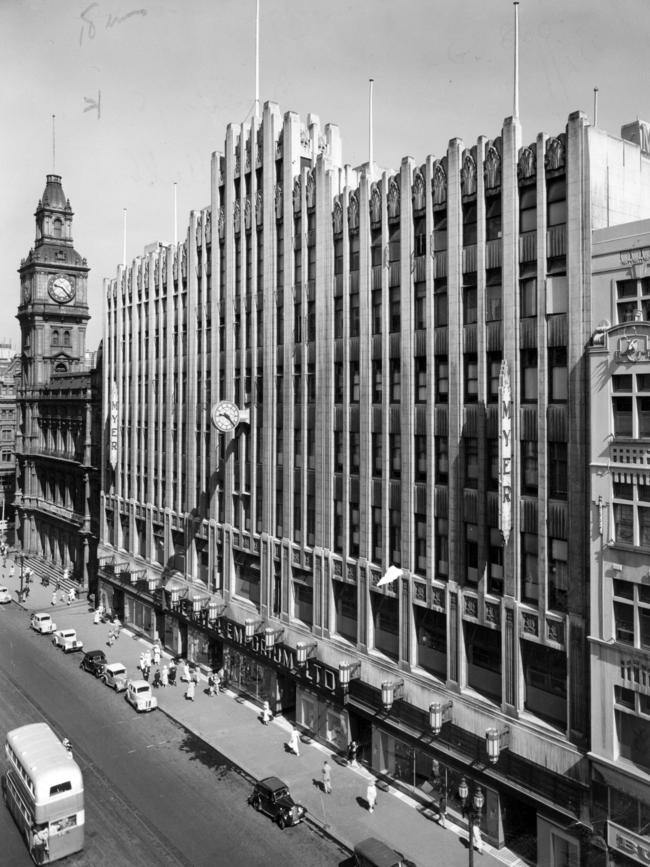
139	615
198	647
322	719
245	674
173	639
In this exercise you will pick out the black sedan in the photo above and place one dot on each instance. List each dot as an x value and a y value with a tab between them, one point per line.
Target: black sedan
271	796
94	662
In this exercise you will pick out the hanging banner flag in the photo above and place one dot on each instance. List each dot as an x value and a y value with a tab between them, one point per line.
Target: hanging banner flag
505	452
113	426
392	574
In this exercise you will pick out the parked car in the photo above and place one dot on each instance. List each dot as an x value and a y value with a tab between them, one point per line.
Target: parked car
67	640
371	852
94	661
139	694
42	622
271	796
5	596
115	676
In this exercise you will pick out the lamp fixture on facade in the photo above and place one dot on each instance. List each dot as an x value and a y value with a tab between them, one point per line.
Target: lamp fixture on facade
215	610
271	636
251	626
348	671
303	652
495	741
391	691
437	715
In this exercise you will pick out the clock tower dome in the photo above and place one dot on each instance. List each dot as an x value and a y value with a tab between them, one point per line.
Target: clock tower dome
53	309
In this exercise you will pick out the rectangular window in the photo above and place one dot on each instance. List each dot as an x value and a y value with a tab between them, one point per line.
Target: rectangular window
471	378
440	304
420	306
471	553
558	584
376	311
557	375
556	201
469	305
495	556
377	381
528	209
442	380
394	309
528	297
471	462
442	460
440	230
420	379
558	470
529	570
355	382
355	326
469	224
442	548
420	458
493	218
528	375
355	452
377	454
395	380
395	449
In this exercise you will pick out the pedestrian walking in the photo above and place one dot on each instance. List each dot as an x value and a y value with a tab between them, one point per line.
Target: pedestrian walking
57	585
352	753
63	597
185	673
53	599
442	812
172	673
164	676
72	595
156	654
146	671
294	742
327	777
12	570
97	616
141	662
371	796
26	592
211	683
189	692
157	681
66	574
147	659
267	716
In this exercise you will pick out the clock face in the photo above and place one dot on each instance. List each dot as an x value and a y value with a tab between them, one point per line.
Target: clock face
61	289
225	416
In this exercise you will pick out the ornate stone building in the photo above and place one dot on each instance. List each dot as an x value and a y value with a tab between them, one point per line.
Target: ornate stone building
385	530
619	376
9	367
58	434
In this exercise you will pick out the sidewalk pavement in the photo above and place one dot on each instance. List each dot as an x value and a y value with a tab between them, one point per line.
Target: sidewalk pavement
231	724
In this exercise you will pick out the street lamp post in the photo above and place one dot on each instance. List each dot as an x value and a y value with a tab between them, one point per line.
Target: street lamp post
20	555
473	812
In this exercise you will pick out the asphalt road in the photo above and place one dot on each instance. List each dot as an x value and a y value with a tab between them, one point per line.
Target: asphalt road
155	794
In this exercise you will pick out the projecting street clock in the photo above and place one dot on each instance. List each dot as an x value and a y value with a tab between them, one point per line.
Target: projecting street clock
61	289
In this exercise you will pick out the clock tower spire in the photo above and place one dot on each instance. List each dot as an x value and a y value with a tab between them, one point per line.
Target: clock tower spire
53	309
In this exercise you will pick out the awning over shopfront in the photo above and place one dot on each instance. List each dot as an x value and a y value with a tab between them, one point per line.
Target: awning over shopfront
617	779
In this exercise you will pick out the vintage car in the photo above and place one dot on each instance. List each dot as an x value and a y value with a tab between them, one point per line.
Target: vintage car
42	622
371	852
5	595
94	662
271	796
67	640
115	676
139	694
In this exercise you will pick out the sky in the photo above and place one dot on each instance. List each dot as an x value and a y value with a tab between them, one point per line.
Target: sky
143	90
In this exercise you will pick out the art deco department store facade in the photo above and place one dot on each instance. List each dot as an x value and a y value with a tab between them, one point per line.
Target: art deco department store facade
404	358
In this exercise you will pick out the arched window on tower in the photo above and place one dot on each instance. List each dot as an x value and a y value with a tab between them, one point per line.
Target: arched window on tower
57	228
55	337
66	338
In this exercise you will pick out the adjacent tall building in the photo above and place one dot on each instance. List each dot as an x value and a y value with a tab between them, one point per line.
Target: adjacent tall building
58	435
9	368
345	452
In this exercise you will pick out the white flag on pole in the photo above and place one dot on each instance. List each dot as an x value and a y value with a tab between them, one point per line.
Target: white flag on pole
392	574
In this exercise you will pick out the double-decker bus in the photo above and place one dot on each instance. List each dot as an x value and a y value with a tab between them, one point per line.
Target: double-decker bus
43	789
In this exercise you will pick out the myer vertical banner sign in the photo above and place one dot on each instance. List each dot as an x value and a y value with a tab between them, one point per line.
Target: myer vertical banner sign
113	450
505	452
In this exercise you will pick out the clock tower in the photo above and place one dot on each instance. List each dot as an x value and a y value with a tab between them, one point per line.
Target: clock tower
53	309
